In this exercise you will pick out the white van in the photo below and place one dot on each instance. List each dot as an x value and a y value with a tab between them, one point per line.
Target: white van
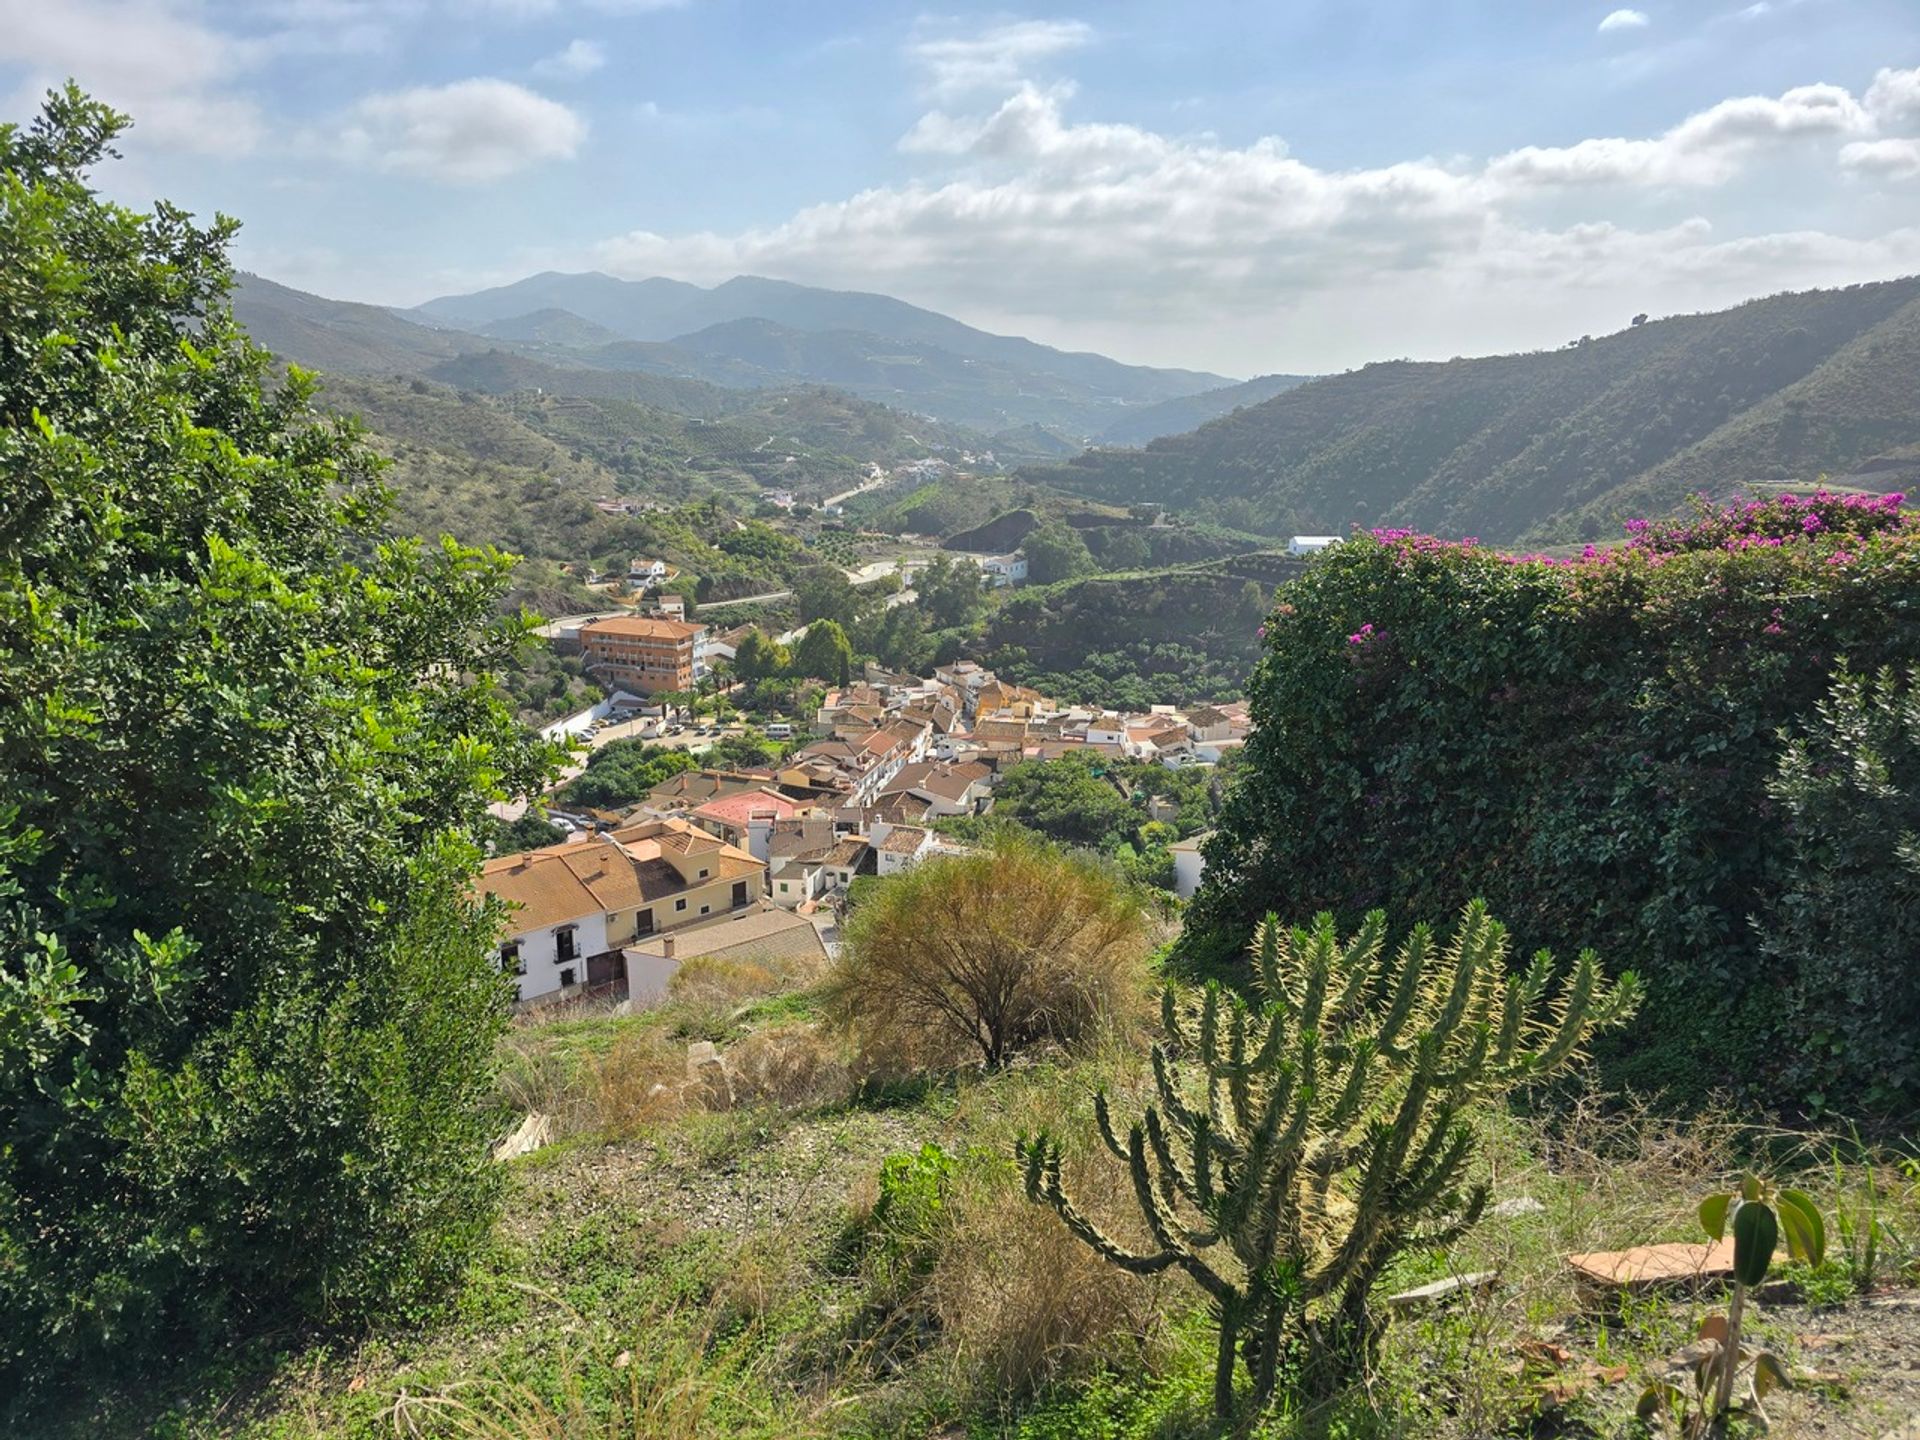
779	730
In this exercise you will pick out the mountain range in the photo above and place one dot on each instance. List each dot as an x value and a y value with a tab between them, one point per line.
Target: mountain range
1558	445
670	337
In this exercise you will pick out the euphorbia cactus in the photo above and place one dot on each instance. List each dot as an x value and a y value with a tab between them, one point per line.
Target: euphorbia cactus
1298	1144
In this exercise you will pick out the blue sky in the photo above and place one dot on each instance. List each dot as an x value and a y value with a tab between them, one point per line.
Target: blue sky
1244	187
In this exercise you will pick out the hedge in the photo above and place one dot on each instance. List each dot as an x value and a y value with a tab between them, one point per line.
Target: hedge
1589	743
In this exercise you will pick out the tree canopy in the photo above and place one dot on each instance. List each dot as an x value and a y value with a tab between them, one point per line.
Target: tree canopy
622	772
952	592
246	747
1056	552
824	653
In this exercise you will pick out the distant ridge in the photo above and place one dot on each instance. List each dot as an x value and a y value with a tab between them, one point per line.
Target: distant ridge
1028	383
1560	444
551	326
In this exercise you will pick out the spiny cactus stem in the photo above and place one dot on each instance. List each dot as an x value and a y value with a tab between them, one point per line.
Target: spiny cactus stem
1103	1119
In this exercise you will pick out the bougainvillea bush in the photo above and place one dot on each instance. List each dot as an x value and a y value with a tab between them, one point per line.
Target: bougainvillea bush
1593	744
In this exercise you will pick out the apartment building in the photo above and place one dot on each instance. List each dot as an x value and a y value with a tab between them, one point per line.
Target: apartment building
647	654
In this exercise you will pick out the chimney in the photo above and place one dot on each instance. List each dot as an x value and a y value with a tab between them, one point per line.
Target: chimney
666	947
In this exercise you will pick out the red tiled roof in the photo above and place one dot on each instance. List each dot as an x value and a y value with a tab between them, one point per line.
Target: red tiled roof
737	810
642	627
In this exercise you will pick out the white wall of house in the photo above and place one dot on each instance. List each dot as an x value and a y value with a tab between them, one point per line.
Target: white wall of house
648	977
577	723
892	862
796	885
1188	867
542	970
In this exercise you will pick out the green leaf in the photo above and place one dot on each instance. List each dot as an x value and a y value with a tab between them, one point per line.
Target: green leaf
1713	1214
1755	1234
1806	1230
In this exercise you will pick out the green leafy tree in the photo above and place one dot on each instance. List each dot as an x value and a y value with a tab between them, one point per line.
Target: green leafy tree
1127	550
621	773
824	653
1845	922
1056	552
1071	800
825	593
952	592
741	752
531	831
896	637
1596	753
758	656
247	1002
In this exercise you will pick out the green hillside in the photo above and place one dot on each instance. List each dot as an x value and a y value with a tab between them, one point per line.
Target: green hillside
1190	412
523	472
1129	641
341	336
1559	443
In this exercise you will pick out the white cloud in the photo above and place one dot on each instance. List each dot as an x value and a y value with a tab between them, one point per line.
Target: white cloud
171	73
995	59
1892	159
1624	20
537	9
468	132
1708	148
1186	250
577	58
1894	97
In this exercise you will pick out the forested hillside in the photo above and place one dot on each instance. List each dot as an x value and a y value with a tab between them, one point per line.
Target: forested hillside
1558	444
1190	412
522	472
1131	641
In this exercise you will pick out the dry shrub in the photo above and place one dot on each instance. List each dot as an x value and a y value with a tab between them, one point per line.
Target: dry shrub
1023	1304
531	1078
792	1066
707	991
638	1082
980	956
713	980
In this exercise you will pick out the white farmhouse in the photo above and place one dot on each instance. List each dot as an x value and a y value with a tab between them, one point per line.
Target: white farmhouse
1311	544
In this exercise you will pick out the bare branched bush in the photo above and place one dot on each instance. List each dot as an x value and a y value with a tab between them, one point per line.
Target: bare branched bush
979	956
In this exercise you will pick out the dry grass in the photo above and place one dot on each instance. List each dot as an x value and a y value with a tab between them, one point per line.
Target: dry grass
673	1381
1023	1304
706	993
637	1084
794	1066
